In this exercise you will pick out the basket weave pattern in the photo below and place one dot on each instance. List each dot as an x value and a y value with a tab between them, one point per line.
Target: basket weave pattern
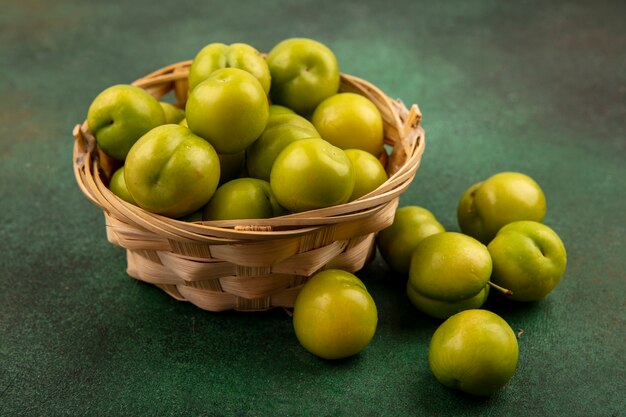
258	264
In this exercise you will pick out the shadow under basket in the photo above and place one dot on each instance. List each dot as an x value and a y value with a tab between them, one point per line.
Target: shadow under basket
250	265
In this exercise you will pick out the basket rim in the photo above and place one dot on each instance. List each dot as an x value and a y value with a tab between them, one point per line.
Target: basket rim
403	132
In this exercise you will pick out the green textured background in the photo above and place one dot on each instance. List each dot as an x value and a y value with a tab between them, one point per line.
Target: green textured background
532	86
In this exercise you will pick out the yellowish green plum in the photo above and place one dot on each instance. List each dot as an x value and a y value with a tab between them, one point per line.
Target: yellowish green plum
350	121
304	72
242	198
216	56
283	127
474	351
120	115
502	198
171	171
276	109
117	185
369	173
449	273
410	226
229	109
529	259
310	174
334	316
173	114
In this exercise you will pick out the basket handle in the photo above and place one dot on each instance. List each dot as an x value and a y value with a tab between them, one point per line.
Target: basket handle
87	151
85	142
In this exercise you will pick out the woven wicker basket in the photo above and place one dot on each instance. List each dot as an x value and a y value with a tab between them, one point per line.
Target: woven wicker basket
250	265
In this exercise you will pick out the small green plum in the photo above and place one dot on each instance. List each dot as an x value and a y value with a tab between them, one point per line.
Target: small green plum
310	174
120	115
172	172
334	316
502	198
474	351
449	272
411	224
529	259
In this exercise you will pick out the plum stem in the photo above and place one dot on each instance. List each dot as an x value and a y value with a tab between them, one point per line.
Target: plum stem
504	291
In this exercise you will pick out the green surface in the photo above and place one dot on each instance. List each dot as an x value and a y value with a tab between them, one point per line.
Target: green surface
538	87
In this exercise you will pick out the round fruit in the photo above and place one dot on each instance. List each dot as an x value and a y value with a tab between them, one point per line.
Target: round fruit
172	113
282	129
242	198
334	316
304	72
350	121
410	226
369	173
117	185
474	351
503	198
449	273
120	115
216	56
529	259
310	174
229	109
171	171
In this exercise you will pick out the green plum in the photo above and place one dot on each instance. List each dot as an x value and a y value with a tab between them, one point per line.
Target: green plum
117	185
120	115
276	109
310	174
369	173
171	171
449	272
410	226
216	56
242	198
282	129
350	121
229	109
529	259
503	198
304	72
334	315
172	113
474	351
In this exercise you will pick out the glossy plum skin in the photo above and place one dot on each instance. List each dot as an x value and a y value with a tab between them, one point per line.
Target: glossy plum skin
229	109
529	259
350	121
171	171
334	316
502	198
304	72
310	174
474	351
120	115
449	272
215	56
411	224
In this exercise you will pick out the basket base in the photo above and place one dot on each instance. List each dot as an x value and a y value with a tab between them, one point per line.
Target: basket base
236	292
